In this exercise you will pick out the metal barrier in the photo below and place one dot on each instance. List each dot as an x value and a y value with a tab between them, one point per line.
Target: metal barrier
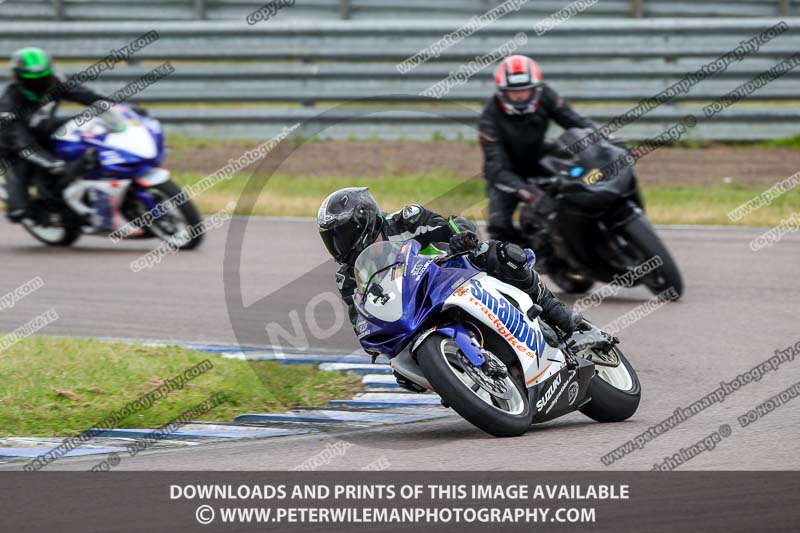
390	42
243	80
376	9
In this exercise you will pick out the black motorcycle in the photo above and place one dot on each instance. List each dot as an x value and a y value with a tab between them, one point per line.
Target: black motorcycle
590	225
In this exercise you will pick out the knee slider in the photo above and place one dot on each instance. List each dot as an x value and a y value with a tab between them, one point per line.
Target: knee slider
513	261
511	256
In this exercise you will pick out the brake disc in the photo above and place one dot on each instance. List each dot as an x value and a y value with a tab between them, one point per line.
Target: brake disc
609	358
497	388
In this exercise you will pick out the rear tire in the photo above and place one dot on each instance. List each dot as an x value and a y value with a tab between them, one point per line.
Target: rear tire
610	403
642	237
53	235
433	359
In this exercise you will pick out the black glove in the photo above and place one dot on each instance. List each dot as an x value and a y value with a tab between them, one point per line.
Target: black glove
466	241
530	193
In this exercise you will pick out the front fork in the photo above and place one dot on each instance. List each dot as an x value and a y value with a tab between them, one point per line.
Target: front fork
475	353
466	343
142	195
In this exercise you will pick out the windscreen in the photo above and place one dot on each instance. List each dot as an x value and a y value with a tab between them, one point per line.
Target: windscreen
378	256
112	120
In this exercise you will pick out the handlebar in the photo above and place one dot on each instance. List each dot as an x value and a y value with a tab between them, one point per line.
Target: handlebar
448	257
548	183
545	180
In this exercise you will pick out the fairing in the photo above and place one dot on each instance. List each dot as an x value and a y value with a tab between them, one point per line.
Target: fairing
125	151
129	148
417	291
421	292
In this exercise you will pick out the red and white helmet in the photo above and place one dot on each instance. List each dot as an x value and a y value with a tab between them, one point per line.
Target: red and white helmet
518	80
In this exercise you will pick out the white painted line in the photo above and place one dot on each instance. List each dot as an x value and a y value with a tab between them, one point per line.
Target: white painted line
357	368
393	395
379	379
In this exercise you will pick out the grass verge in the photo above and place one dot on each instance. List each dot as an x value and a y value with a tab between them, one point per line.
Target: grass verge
293	196
786	142
61	387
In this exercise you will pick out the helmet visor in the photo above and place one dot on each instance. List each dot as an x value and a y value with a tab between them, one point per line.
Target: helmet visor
522	96
40	85
519	98
341	239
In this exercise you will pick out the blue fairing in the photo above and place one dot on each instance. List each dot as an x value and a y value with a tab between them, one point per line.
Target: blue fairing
426	286
115	162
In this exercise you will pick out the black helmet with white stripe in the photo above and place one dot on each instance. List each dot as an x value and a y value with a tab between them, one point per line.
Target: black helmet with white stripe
349	221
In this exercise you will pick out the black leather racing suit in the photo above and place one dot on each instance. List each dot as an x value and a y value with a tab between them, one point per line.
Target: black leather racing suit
24	127
426	227
512	147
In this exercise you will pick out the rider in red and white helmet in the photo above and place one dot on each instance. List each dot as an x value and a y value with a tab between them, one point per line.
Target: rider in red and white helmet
512	134
519	85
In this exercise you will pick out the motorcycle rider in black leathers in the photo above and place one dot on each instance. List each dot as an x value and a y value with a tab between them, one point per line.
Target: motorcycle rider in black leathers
512	131
350	220
27	109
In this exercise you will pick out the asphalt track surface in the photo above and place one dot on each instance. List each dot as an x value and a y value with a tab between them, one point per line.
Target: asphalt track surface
739	307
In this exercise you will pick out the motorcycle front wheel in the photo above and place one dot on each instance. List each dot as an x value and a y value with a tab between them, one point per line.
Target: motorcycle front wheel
499	407
641	236
182	223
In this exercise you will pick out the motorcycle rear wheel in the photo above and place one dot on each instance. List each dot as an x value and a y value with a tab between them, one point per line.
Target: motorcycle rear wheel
615	392
442	362
63	235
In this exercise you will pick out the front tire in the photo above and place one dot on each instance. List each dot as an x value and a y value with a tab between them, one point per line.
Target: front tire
180	218
642	237
615	392
443	364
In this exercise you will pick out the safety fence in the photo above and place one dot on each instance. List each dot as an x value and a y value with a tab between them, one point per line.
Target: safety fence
377	9
232	78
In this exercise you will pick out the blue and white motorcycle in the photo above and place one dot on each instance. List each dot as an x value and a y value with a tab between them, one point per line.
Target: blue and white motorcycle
478	342
124	195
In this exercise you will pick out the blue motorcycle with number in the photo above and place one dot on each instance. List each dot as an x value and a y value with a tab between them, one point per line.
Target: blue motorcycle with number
125	195
478	343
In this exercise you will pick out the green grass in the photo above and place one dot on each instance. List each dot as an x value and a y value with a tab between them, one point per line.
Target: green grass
61	387
711	205
788	142
293	196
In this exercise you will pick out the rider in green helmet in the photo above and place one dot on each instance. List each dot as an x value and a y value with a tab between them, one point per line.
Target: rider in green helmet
27	120
33	73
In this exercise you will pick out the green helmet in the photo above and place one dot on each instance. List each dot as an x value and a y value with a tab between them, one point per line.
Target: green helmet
33	71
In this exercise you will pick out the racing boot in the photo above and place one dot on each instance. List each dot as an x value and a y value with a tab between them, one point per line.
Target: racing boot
16	216
30	215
